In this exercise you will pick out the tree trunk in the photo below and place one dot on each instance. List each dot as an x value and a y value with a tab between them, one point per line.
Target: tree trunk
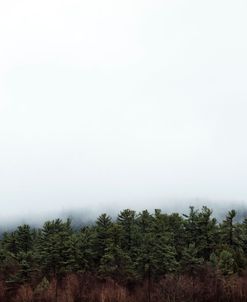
149	284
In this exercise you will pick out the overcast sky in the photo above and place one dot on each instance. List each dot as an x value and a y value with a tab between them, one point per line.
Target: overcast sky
129	103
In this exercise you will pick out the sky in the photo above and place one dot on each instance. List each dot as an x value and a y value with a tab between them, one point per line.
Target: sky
116	104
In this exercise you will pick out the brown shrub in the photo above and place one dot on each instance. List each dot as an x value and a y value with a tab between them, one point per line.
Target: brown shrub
211	287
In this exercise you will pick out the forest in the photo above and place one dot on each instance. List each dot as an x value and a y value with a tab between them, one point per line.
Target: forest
134	257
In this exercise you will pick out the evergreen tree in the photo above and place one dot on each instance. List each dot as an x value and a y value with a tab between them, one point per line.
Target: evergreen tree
116	262
177	232
190	262
227	263
156	256
228	229
82	253
201	231
55	246
102	236
133	248
24	238
126	219
191	226
17	251
208	233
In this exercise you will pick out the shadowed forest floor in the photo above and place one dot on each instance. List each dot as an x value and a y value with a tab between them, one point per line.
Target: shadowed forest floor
82	288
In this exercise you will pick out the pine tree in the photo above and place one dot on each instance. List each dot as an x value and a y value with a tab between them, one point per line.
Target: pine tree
102	236
156	254
17	248
208	233
228	229
201	231
227	263
81	251
54	246
177	232
190	262
116	262
164	250
126	219
24	238
191	226
54	250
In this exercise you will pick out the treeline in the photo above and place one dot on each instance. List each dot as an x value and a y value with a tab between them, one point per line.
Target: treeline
135	257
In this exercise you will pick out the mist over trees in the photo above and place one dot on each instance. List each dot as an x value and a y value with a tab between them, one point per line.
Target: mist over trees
133	257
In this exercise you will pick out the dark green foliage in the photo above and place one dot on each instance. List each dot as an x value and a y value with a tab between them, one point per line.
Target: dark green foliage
126	219
190	261
227	263
228	229
17	259
81	250
134	247
116	262
102	236
55	247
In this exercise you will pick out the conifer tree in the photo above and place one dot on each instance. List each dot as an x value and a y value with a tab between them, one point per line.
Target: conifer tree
228	229
191	226
24	238
190	262
116	262
227	263
156	255
208	233
126	219
102	236
177	232
81	251
54	246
